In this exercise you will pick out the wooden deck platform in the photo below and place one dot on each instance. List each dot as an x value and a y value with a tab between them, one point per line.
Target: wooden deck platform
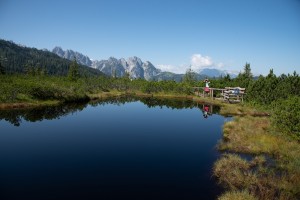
229	94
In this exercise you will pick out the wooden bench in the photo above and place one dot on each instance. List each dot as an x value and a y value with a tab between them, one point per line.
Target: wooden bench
233	94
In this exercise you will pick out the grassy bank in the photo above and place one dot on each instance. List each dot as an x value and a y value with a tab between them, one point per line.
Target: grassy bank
272	171
38	89
21	105
21	91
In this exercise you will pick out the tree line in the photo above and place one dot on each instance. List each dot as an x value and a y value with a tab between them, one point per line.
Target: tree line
67	80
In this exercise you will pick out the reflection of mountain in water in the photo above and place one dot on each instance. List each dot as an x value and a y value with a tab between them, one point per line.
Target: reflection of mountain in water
15	117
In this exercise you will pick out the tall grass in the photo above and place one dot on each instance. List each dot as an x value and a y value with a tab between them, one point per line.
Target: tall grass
24	88
237	195
273	173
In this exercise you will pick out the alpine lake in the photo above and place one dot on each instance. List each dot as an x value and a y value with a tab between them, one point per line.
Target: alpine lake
117	148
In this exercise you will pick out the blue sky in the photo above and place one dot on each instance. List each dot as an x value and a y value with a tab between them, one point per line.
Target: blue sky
171	34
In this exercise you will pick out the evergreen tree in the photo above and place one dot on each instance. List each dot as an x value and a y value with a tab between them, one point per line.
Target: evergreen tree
73	73
247	71
189	77
2	71
227	78
245	78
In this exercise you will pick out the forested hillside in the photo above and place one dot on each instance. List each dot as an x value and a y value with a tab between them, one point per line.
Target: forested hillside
19	59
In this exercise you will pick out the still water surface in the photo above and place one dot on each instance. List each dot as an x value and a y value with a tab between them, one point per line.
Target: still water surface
116	149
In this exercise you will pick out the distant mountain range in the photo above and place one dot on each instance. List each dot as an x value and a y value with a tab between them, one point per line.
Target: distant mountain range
70	55
212	72
134	66
17	58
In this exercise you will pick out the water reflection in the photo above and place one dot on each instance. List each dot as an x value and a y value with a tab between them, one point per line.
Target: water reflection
207	110
16	116
117	148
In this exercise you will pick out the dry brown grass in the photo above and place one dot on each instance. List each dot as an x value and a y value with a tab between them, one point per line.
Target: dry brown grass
277	177
237	174
237	195
8	106
249	135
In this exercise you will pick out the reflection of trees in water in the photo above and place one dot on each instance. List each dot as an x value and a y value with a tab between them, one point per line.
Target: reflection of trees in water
156	102
38	114
149	101
120	100
169	103
15	117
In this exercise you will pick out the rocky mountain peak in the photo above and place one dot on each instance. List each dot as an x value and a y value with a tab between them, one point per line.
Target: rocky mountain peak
70	55
58	51
134	61
132	65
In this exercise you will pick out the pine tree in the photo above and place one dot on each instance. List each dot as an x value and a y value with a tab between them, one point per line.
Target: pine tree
245	78
2	71
73	73
189	77
247	71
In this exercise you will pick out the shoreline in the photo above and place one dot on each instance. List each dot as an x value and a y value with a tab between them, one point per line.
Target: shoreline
250	132
98	96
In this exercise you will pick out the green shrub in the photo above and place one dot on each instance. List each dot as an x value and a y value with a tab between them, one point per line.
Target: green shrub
42	92
286	115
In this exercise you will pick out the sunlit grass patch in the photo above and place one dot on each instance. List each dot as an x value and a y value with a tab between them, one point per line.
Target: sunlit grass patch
255	136
256	176
233	172
248	135
237	195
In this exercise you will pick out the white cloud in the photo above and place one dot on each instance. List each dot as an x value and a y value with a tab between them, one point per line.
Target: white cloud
199	61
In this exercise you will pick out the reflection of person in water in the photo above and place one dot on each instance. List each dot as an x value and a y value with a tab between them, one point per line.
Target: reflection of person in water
205	111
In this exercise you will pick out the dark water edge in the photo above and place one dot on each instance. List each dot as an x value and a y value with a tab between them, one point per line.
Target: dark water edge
16	116
40	161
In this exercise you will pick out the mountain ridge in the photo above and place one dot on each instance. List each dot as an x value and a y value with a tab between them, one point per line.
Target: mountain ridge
18	58
135	67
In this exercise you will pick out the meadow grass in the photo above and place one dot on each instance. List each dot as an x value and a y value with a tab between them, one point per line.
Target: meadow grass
237	195
273	173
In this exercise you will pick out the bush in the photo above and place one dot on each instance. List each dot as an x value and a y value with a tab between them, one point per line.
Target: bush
43	93
286	115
